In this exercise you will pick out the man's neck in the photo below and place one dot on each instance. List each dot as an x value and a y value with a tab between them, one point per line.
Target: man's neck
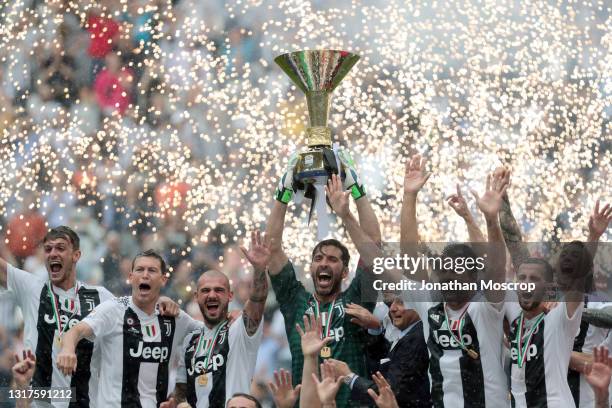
212	325
326	298
456	305
66	284
530	314
147	307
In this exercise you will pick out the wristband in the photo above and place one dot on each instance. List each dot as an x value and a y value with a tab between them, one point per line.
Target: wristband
357	191
284	195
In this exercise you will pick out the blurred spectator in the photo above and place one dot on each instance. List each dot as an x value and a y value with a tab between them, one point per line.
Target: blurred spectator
25	230
58	71
113	86
86	114
111	263
103	33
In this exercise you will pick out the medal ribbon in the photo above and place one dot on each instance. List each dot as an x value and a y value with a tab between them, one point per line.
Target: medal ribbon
460	330
210	346
522	352
329	316
55	306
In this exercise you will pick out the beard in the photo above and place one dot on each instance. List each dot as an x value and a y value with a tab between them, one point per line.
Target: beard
529	304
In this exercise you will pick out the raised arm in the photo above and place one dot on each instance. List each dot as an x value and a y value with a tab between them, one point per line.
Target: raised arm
276	221
352	182
259	256
5	256
339	200
598	223
511	229
415	178
3	273
489	204
459	204
312	343
67	359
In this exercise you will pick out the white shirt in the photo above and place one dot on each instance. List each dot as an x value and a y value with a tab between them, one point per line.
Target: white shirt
137	349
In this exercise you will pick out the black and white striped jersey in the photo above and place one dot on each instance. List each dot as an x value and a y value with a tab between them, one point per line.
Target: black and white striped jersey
541	380
458	379
136	351
224	363
35	296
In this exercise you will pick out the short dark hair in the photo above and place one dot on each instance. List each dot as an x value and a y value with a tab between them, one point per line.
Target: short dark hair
548	269
247	396
150	253
345	257
460	250
63	232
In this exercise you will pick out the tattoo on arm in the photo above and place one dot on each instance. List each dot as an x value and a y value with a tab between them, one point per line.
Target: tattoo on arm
253	312
512	233
250	324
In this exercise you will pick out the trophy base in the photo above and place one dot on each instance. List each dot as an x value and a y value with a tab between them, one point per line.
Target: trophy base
314	163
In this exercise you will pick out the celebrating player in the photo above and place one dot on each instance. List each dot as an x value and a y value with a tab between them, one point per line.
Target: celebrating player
464	333
136	342
50	308
329	267
218	360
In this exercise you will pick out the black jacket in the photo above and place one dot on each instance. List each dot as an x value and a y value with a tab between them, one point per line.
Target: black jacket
406	370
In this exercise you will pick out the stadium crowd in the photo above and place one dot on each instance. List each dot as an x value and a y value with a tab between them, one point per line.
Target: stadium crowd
101	64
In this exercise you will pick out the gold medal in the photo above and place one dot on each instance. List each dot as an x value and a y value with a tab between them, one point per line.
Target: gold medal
326	352
58	342
203	380
473	354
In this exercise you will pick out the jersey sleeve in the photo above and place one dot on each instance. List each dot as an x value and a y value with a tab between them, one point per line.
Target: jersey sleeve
189	322
566	328
287	290
102	319
181	371
361	290
105	294
240	340
21	283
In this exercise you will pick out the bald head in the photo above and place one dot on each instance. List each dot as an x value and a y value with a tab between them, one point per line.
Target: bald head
214	276
213	297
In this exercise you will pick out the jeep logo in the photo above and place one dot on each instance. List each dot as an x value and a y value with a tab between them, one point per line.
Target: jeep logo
150	353
64	320
337	333
216	362
532	352
444	339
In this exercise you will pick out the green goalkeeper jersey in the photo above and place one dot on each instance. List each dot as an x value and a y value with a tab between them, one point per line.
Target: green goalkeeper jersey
348	341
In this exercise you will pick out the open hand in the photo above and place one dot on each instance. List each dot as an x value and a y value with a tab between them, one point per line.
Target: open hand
599	372
415	176
259	253
330	384
338	198
490	202
311	336
599	220
385	398
283	393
